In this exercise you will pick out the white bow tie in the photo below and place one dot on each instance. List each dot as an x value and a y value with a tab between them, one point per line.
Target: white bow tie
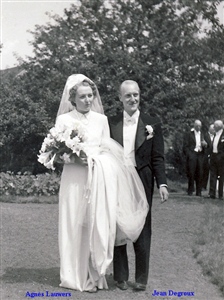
129	120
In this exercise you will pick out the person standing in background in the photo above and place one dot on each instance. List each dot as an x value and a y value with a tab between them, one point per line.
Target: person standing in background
193	147
209	136
217	161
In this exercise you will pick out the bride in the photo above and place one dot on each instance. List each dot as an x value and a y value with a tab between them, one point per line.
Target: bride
101	198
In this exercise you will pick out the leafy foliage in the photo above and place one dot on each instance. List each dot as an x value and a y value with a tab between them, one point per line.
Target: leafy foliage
22	127
173	49
27	184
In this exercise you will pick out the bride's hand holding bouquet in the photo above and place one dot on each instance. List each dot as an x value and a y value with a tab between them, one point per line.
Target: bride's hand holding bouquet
63	144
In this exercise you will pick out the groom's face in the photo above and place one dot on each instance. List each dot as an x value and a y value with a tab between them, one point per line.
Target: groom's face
130	97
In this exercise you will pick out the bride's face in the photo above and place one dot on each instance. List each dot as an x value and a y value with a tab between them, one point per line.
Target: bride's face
83	99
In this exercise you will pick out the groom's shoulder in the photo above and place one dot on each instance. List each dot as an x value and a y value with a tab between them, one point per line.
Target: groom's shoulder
149	118
115	119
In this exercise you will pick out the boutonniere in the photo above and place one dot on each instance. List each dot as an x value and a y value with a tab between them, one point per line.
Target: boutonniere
222	140
149	131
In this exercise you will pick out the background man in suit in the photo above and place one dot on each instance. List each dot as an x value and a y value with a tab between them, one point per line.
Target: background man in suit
217	161
208	136
193	148
142	139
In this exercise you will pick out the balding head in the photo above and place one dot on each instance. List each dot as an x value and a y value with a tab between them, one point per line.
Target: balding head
218	125
126	83
197	125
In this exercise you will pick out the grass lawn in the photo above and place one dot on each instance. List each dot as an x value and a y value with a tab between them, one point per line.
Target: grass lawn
30	258
208	247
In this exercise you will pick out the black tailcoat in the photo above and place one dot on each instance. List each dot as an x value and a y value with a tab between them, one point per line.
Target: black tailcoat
206	160
148	153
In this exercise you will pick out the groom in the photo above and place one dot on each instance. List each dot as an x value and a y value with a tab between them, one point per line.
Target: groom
142	139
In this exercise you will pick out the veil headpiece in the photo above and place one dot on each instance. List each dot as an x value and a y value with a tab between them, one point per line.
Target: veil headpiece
73	80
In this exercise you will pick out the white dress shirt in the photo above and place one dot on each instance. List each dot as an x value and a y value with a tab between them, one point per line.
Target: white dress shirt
211	136
198	141
216	141
129	134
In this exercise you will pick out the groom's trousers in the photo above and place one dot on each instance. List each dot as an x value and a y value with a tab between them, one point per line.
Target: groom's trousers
141	246
142	250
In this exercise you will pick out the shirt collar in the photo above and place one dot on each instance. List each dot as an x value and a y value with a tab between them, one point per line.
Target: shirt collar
196	132
219	132
82	116
134	116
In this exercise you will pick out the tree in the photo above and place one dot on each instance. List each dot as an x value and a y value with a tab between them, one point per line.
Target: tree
163	45
21	130
148	41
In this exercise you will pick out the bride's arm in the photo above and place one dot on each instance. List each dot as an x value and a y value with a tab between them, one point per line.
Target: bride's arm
60	121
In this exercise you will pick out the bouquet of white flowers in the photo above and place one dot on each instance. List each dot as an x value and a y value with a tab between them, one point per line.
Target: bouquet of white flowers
62	144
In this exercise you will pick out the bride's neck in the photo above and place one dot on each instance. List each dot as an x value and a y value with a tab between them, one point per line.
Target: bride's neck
82	112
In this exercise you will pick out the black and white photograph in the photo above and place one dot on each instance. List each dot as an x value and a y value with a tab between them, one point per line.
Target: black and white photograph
112	149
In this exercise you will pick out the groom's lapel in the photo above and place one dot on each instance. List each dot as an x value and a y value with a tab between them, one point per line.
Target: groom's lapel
140	134
118	130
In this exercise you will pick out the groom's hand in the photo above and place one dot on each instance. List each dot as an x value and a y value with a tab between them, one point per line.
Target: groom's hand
164	195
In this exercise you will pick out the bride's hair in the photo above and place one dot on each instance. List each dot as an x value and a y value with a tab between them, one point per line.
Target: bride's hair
71	86
85	82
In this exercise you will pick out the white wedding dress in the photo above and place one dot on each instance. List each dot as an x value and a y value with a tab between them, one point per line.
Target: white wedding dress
99	205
